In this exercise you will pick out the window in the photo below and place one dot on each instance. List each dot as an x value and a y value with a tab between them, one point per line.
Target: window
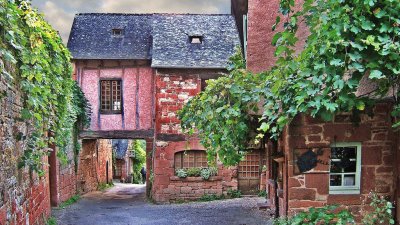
117	32
190	159
196	39
111	96
345	168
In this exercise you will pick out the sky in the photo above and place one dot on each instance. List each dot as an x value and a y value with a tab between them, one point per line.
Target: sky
60	13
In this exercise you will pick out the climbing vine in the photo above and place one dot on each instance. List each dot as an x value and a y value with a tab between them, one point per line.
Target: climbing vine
220	114
349	42
52	103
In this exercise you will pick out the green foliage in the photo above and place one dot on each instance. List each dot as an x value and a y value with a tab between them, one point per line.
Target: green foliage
382	213
51	221
181	173
348	40
70	201
341	49
208	172
138	149
325	215
262	193
212	197
220	113
43	73
193	172
213	170
205	174
234	193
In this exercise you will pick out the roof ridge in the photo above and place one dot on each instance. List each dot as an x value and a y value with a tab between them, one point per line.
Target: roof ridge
151	14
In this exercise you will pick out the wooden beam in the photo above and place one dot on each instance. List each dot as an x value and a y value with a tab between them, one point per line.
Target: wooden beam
117	134
171	137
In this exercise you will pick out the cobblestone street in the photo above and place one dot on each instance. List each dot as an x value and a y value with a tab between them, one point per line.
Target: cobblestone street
125	204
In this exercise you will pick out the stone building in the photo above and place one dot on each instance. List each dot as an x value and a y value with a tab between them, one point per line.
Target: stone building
138	70
315	163
25	197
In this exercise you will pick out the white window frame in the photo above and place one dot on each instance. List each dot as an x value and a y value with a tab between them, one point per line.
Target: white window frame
348	189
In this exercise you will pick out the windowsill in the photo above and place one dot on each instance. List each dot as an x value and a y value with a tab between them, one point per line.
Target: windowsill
195	179
110	113
355	191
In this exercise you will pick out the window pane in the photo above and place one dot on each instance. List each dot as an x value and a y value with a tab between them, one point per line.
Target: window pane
349	180
336	180
337	153
111	95
191	159
350	167
336	167
350	152
178	157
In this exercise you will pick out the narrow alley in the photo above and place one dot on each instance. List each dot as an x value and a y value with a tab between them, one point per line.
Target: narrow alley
126	204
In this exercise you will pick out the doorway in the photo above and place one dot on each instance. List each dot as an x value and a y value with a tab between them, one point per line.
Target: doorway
249	172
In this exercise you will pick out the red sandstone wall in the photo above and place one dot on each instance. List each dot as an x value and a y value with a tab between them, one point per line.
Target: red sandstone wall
67	181
24	197
377	151
62	177
261	17
92	167
137	82
173	90
167	187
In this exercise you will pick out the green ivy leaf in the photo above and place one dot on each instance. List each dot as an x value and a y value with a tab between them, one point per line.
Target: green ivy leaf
376	74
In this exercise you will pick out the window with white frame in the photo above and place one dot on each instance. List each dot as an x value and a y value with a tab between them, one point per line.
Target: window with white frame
345	168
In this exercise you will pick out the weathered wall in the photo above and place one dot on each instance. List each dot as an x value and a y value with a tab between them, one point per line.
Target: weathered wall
261	17
168	187
67	178
174	88
377	159
24	197
137	92
62	177
172	92
92	169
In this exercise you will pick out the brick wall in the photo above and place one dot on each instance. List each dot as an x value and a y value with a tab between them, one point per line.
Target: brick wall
312	188
174	88
62	176
67	177
93	163
261	18
24	197
173	91
168	187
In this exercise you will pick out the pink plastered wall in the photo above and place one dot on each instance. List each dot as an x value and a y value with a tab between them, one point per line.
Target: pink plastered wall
137	91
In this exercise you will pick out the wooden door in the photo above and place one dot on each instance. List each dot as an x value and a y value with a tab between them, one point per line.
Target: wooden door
249	173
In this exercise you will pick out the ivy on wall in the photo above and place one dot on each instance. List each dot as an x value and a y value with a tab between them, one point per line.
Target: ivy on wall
52	101
349	42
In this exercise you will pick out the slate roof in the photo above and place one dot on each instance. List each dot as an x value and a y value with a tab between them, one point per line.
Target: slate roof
91	36
162	38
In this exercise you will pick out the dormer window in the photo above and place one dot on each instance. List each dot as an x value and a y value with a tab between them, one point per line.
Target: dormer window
117	32
196	39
